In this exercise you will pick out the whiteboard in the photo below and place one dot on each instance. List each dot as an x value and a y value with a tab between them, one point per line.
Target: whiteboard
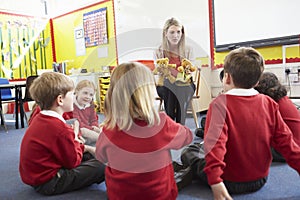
139	25
237	21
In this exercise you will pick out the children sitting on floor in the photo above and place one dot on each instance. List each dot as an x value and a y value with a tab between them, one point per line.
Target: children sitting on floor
84	111
136	140
51	153
241	126
270	85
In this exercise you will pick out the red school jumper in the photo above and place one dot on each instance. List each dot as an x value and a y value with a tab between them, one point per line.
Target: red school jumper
139	160
47	146
291	116
87	117
240	129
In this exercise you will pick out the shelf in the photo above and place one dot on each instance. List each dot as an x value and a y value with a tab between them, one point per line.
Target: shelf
103	87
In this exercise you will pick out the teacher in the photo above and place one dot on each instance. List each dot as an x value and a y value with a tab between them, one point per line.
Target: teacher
176	95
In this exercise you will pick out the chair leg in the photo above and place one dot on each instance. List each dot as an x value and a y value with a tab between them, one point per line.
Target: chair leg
160	104
3	119
26	118
23	114
194	114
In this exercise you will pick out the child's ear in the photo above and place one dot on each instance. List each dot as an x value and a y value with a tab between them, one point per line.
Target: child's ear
59	100
227	78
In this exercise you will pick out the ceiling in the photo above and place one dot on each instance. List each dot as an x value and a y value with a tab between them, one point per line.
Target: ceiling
46	8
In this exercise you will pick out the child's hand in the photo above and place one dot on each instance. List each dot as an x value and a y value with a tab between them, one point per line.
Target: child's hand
82	140
220	192
90	149
75	127
97	129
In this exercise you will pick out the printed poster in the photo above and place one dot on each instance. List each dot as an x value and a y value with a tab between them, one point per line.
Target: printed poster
95	27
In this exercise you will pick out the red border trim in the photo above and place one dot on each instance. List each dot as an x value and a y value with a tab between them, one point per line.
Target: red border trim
211	34
15	14
279	61
272	62
52	40
21	15
17	79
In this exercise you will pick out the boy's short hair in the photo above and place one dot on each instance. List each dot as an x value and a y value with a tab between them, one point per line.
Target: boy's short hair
245	65
46	88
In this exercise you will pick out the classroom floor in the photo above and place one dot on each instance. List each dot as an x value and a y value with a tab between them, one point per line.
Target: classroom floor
283	182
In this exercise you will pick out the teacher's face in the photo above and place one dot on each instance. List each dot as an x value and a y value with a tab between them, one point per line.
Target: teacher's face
174	34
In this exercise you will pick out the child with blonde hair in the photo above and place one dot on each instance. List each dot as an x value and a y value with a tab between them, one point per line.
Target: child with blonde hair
51	158
84	111
136	139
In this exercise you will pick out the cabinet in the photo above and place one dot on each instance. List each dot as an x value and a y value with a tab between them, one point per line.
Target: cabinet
103	87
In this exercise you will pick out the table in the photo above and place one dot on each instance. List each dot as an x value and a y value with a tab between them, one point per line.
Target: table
18	97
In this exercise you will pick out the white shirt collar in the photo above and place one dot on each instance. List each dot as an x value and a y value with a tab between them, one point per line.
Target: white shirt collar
242	92
53	114
81	107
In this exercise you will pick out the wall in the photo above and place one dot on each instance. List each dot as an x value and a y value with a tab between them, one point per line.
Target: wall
44	8
138	30
24	7
65	49
139	26
60	7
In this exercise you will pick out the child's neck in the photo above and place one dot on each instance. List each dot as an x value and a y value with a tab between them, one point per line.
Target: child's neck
80	105
57	109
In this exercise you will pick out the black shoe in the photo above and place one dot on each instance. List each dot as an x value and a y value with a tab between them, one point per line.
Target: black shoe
176	166
191	154
87	156
183	178
199	132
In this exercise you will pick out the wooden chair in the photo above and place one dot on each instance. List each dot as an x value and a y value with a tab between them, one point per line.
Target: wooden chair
194	104
160	107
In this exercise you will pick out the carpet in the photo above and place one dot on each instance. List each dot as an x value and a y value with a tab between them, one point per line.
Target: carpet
283	182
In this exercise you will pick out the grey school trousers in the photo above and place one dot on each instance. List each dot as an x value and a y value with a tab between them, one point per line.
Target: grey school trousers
66	180
193	156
